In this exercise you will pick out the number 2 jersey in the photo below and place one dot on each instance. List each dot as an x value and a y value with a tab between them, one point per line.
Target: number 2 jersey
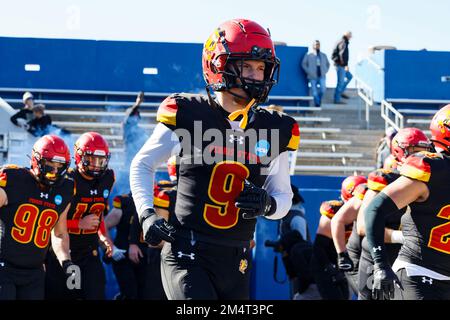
30	215
91	198
426	228
207	190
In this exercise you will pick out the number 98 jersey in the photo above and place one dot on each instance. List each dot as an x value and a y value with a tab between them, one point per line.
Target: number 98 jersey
30	215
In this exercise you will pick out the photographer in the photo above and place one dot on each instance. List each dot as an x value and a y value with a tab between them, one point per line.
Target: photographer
294	244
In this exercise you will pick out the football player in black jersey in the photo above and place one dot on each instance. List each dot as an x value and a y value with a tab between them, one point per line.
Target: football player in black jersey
406	142
33	209
422	269
233	167
85	221
331	281
348	247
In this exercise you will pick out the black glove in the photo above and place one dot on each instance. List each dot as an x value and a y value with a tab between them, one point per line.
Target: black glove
344	262
384	280
155	228
254	201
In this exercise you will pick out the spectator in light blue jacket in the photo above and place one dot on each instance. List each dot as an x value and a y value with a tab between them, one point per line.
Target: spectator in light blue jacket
316	65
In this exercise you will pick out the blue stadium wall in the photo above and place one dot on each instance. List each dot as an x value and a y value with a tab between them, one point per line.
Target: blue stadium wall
407	74
118	66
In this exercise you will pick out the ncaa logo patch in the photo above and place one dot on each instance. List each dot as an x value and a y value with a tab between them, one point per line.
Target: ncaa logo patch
58	199
262	148
105	193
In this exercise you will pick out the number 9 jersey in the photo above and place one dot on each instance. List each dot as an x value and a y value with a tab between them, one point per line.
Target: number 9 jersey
209	181
29	216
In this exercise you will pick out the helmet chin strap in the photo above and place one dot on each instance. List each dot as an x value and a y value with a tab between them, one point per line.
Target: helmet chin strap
242	112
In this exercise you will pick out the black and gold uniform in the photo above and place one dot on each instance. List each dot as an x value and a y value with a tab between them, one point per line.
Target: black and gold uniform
330	281
142	280
426	231
211	236
91	198
377	181
26	222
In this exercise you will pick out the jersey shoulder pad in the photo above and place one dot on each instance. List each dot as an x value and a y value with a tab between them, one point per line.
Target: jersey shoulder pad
329	208
419	165
190	105
10	172
380	178
360	191
117	202
160	197
288	127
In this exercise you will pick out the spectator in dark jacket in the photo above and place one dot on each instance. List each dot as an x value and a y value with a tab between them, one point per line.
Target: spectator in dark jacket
40	124
340	57
25	114
316	65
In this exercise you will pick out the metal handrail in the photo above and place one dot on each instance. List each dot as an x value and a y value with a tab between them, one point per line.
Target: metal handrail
419	101
365	92
386	109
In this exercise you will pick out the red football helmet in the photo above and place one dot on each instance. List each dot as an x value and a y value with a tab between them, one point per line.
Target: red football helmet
92	154
440	128
349	184
406	138
172	168
225	50
50	159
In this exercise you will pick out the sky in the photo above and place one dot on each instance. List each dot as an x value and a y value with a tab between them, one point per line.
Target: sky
407	25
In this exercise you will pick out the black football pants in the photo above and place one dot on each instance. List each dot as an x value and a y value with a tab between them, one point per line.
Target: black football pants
21	284
205	271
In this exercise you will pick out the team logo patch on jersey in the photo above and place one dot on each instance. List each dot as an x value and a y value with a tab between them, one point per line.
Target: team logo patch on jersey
243	265
58	199
262	148
105	193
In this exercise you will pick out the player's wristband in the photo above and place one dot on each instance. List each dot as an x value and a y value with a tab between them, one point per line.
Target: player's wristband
149	212
73	224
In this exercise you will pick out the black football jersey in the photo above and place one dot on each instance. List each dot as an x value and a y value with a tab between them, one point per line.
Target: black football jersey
207	190
426	228
165	196
30	215
91	198
377	181
124	230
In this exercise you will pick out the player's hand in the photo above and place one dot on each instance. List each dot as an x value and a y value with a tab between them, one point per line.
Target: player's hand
254	201
134	253
344	262
155	228
109	247
118	254
89	222
384	280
